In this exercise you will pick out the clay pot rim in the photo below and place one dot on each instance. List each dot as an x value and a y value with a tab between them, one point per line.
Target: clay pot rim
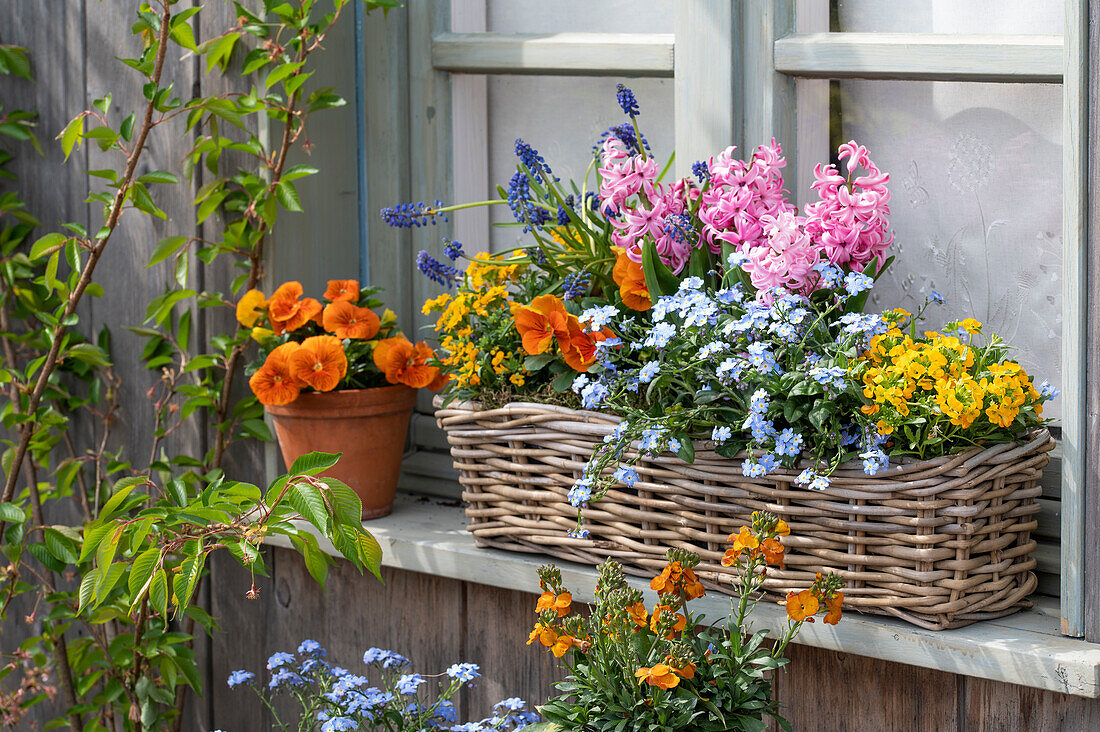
309	403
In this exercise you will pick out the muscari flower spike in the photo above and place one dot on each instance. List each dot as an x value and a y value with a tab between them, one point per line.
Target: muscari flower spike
534	162
408	215
626	99
435	270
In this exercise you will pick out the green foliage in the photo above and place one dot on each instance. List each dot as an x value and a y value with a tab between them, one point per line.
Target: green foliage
115	587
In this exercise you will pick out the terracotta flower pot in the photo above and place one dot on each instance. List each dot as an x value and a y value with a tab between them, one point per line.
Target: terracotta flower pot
367	425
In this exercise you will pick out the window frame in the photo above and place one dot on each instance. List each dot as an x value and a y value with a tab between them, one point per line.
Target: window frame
771	44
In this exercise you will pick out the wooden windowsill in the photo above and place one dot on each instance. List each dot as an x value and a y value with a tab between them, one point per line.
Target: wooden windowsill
428	535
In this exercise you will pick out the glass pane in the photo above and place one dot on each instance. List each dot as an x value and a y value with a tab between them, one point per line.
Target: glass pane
560	16
562	117
1024	17
976	206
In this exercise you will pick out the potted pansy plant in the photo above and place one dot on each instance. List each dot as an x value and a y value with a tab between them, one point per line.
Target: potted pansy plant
337	377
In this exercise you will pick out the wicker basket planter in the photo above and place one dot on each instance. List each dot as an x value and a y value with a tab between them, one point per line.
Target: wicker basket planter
941	543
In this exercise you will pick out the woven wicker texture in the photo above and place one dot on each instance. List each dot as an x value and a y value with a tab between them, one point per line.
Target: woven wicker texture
941	543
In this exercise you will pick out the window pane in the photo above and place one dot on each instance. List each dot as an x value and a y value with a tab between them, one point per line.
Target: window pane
976	206
948	16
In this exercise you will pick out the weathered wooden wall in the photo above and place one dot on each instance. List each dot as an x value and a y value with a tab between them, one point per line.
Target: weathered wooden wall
437	621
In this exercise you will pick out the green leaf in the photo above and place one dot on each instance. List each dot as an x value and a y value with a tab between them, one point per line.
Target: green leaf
141	572
288	195
12	513
307	500
71	134
159	176
87	589
563	381
166	248
47	245
122	489
61	547
370	553
158	593
89	353
314	463
659	279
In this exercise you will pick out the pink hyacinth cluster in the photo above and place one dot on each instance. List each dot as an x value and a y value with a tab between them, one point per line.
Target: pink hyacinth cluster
625	180
851	221
740	194
787	256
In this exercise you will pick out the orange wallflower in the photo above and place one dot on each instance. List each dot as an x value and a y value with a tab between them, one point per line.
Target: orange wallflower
773	551
562	645
638	614
274	383
802	605
743	539
342	291
544	634
320	362
781	528
630	278
834	605
404	363
349	321
558	603
655	620
685	672
666	582
660	675
540	322
250	307
287	311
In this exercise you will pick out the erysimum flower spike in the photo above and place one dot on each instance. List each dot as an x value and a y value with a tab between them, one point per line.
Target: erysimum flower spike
320	362
350	321
660	675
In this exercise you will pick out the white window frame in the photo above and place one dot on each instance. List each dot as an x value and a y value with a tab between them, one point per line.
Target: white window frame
754	98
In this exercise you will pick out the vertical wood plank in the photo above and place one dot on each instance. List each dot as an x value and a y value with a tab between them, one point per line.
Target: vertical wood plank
707	83
244	641
388	171
430	148
769	97
497	624
1075	304
827	690
991	707
470	121
322	242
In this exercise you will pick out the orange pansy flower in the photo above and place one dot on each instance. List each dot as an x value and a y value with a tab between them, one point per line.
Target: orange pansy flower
579	351
250	308
773	551
404	363
287	311
802	605
349	321
560	604
540	322
834	605
320	362
630	278
342	291
274	383
660	675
